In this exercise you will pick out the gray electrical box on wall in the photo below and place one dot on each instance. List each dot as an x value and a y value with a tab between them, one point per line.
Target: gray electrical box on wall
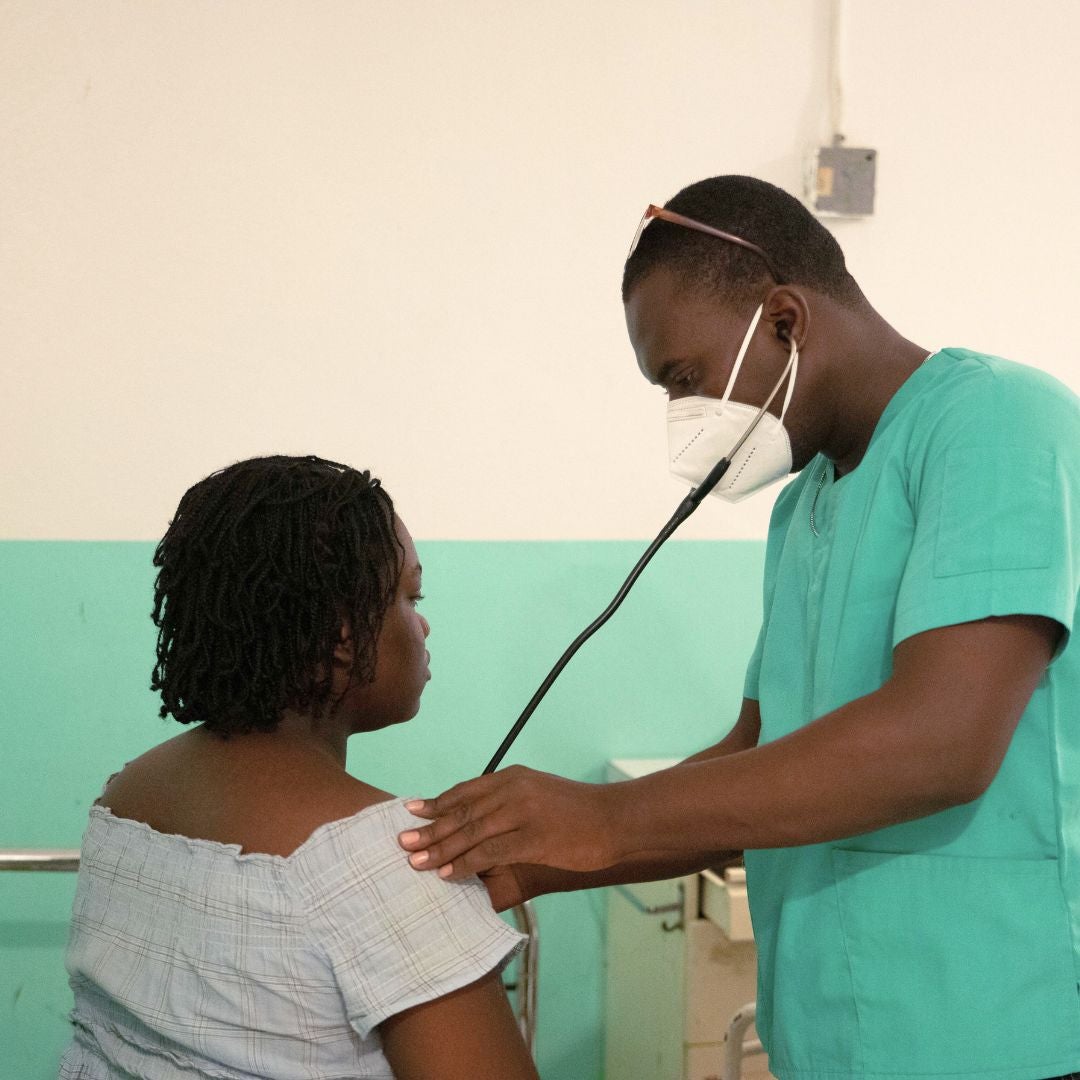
841	181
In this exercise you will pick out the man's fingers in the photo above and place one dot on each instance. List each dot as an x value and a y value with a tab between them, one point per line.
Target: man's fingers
481	831
446	825
466	824
451	798
484	856
433	808
481	823
485	829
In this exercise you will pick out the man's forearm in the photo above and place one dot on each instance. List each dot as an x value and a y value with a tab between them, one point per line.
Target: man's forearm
657	866
870	764
932	737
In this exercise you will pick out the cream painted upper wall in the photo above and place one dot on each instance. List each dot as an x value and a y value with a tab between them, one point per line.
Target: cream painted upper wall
392	233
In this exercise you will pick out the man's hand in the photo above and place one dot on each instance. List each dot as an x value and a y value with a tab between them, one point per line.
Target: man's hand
507	886
516	815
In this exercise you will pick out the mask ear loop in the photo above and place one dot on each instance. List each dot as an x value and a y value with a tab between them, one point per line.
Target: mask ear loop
791	368
742	352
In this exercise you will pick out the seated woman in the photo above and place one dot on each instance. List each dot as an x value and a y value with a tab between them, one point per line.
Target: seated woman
243	907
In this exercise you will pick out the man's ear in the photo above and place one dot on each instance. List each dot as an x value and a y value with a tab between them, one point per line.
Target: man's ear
787	309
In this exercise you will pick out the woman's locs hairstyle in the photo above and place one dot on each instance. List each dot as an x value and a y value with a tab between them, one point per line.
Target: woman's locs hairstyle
263	564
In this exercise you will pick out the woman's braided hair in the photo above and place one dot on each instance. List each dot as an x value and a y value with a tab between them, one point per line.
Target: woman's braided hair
260	568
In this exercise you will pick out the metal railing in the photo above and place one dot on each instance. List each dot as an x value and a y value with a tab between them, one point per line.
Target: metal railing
66	859
525	919
736	1045
658	909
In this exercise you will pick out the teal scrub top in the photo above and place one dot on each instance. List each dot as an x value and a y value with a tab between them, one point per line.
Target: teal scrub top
949	944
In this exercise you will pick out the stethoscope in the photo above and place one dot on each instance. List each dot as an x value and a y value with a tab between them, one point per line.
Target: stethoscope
682	512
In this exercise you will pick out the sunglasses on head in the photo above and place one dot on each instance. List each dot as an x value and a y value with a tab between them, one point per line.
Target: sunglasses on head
689	223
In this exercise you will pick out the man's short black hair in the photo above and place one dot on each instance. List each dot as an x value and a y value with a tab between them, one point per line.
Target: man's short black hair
803	251
262	565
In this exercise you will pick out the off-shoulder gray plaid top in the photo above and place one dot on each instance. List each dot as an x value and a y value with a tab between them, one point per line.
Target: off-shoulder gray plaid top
190	959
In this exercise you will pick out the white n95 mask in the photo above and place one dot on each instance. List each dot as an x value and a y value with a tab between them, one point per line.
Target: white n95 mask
702	430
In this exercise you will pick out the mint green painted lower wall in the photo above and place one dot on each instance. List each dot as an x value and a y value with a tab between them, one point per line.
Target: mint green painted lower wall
663	678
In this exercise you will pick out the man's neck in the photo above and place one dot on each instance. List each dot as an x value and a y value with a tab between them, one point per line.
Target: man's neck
868	377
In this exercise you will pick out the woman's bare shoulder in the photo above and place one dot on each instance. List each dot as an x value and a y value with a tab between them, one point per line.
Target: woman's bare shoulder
347	795
261	796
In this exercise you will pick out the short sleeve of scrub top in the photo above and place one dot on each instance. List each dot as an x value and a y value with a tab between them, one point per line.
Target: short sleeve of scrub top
994	494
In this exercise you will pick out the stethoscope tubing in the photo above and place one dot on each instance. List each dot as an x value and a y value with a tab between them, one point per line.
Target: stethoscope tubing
682	512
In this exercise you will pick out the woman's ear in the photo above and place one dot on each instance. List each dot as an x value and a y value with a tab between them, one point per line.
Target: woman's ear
344	652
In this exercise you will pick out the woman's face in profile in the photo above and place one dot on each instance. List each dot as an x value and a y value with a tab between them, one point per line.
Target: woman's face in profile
401	666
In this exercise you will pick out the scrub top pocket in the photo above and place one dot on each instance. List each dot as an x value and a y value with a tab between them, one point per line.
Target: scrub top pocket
995	934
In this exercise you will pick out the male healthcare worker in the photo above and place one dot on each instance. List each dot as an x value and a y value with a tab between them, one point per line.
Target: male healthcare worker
904	773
